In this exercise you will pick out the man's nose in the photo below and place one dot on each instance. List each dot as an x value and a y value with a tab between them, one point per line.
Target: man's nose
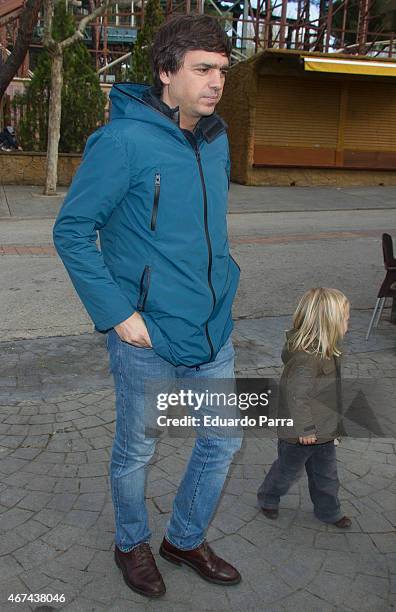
215	80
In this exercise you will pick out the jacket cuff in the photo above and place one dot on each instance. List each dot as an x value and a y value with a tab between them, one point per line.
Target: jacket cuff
308	431
111	322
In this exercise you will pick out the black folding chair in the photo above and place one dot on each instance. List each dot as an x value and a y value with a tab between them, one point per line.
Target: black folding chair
388	287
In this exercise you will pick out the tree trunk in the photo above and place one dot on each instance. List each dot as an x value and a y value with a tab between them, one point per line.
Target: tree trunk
54	120
55	49
27	22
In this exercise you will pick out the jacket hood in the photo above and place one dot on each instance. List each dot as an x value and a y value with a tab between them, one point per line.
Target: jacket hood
143	103
126	99
327	365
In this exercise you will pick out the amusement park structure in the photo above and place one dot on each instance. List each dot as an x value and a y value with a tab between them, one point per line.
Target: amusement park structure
356	27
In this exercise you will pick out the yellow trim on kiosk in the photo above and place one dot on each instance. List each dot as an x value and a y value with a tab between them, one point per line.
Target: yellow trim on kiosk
342	66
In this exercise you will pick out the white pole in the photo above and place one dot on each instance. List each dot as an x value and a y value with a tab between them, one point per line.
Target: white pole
245	24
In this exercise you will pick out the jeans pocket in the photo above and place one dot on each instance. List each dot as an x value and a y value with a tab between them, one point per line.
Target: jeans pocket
135	346
108	338
141	348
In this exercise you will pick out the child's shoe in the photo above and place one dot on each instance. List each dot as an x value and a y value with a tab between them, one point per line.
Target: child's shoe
343	523
271	513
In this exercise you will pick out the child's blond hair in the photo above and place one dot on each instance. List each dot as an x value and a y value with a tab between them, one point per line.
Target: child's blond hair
318	322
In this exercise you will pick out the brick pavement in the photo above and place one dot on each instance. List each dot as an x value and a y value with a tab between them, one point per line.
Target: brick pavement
308	237
24	249
48	249
56	523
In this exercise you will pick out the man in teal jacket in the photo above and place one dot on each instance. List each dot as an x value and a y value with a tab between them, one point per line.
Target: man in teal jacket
154	184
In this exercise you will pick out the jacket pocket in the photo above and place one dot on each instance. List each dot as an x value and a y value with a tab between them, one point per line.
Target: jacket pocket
144	288
237	265
157	192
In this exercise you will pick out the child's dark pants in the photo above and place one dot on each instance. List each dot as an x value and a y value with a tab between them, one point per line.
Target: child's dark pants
321	467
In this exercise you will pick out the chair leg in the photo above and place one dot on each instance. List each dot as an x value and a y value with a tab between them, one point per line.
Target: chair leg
381	308
377	303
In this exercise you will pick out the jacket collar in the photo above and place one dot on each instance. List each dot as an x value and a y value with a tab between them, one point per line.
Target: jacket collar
208	127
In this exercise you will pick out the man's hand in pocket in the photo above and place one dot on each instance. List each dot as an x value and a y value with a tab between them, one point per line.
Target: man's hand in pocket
134	331
307	439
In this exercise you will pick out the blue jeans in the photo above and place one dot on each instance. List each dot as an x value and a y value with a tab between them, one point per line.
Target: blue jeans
201	486
321	468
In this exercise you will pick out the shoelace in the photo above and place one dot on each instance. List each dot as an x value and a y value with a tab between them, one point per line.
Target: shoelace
143	554
143	550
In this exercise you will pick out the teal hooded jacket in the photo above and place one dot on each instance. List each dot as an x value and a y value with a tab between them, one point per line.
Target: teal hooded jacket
157	197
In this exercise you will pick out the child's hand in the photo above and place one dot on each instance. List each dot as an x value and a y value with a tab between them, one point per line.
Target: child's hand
307	439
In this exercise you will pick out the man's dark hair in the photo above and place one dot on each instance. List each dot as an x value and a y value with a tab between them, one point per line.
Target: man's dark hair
186	33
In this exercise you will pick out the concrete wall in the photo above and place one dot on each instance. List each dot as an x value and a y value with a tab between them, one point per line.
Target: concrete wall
28	168
332	177
23	168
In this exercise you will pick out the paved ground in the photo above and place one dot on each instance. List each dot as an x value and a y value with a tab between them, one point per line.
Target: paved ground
27	202
332	241
56	426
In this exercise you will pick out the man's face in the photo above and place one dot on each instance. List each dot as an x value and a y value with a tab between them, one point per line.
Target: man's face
197	86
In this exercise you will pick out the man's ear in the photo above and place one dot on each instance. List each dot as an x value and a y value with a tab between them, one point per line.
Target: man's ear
164	77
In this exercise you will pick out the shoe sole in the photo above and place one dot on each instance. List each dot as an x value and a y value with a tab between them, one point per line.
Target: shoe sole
134	588
271	517
172	559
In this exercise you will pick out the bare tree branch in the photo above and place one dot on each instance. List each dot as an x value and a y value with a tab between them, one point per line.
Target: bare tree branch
79	33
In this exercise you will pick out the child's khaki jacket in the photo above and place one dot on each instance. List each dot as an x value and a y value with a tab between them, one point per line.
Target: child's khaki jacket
310	394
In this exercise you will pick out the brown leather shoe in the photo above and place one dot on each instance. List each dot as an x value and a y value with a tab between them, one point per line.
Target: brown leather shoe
140	571
204	561
271	513
343	523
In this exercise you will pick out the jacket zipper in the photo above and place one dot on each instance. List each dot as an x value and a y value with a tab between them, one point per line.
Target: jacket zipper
157	190
198	156
144	288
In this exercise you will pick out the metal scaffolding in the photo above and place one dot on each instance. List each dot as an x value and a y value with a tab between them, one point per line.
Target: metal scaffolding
322	26
9	21
327	26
